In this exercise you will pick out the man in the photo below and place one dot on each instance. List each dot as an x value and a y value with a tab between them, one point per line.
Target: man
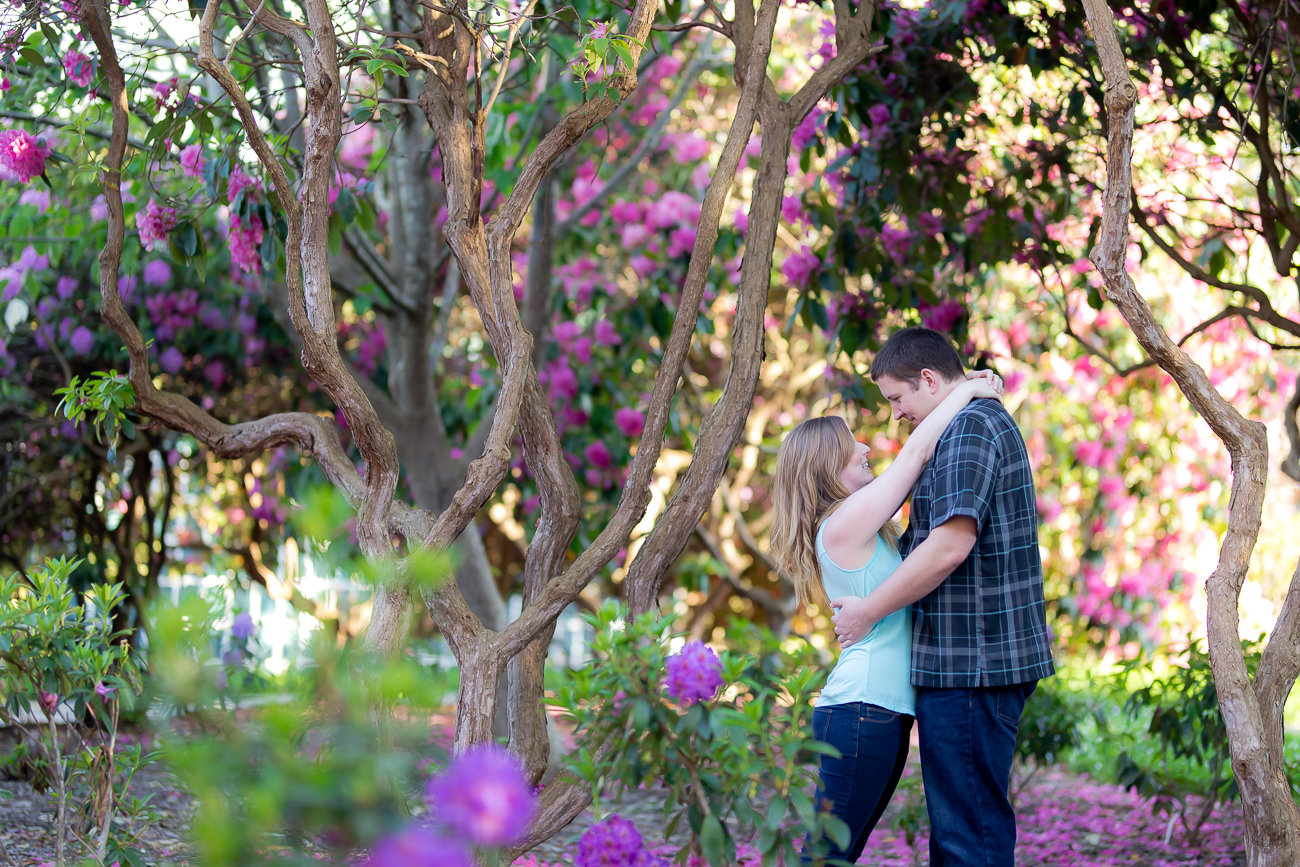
979	638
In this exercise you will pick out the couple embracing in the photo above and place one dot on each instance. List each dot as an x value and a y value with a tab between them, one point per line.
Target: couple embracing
944	625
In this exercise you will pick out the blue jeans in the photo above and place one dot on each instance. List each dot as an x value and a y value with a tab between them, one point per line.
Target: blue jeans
968	738
873	745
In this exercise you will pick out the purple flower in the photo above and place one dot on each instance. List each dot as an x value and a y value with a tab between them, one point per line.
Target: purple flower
243	627
157	273
943	317
614	842
419	847
879	114
104	691
65	287
484	795
172	361
216	374
82	341
694	674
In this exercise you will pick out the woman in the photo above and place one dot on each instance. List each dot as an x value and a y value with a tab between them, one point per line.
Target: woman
833	535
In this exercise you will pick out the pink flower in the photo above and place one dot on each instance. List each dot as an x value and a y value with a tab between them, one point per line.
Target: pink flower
673	208
154	223
792	210
691	149
79	68
605	333
879	114
244	242
896	242
807	131
626	212
634	235
681	241
22	154
630	421
800	266
157	273
943	317
103	690
238	183
598	455
216	374
162	92
192	161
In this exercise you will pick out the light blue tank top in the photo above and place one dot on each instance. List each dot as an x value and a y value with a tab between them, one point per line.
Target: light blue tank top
878	669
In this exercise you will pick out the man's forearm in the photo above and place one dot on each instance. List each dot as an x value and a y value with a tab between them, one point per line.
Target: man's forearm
924	569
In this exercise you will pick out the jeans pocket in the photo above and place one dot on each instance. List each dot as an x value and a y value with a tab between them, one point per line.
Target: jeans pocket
878	715
1011	704
821	722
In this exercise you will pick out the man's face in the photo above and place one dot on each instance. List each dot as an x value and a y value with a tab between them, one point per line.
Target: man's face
913	400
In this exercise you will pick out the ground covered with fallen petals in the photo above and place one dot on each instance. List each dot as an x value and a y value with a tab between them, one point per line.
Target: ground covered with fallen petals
1066	820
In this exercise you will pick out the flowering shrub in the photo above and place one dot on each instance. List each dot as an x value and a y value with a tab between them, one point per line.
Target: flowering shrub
484	797
644	716
615	842
65	676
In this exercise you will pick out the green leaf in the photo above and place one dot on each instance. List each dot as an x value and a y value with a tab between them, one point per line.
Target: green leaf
713	841
838	831
776	811
621	50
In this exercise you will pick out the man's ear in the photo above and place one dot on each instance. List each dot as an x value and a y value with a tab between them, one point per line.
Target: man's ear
930	380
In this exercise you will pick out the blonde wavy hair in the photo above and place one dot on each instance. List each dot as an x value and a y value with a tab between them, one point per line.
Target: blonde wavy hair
807	489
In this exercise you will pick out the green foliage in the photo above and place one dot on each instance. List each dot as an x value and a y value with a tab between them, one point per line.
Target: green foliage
66	673
313	773
715	759
103	398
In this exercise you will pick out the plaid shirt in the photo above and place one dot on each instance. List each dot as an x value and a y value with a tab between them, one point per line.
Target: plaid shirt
986	624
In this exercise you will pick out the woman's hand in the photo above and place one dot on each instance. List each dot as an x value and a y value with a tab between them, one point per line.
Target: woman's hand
985	384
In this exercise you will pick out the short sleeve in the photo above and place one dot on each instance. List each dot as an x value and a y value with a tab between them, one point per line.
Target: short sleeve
964	470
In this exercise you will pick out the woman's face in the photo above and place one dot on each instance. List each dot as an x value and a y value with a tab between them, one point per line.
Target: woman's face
857	474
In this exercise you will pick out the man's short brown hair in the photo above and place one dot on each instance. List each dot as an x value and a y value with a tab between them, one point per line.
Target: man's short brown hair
908	351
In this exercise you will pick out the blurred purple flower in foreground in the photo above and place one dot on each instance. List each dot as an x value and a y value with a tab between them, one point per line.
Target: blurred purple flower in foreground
615	842
243	627
484	795
419	847
694	674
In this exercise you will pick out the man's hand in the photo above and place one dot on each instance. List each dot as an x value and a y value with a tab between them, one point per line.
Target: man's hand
852	619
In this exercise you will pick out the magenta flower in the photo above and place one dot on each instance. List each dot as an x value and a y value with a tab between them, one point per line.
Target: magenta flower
82	341
615	842
243	627
105	691
79	68
879	114
943	317
22	154
192	161
800	266
484	796
598	455
606	334
244	243
216	374
155	222
418	847
694	674
630	421
49	701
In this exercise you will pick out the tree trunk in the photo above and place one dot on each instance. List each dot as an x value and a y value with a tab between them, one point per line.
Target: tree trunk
1251	711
